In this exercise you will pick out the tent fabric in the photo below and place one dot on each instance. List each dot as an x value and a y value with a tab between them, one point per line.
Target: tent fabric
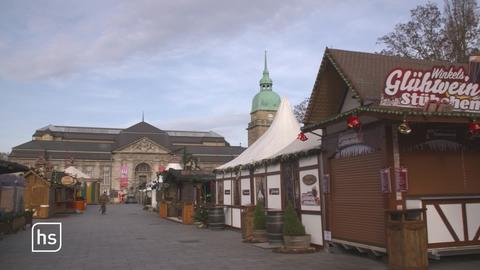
314	141
76	173
283	131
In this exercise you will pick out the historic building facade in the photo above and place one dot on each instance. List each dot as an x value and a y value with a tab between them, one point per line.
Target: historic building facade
264	106
123	158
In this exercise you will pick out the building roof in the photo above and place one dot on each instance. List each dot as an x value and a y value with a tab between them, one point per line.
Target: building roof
361	73
141	130
11	167
95	145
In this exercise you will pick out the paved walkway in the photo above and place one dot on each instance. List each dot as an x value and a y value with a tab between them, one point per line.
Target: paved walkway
130	238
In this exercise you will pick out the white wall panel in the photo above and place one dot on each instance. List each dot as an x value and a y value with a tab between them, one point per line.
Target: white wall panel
245	185
274	201
236	218
313	226
473	218
437	231
227	198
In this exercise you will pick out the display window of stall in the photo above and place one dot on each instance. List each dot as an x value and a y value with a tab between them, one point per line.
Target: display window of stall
237	191
220	192
260	190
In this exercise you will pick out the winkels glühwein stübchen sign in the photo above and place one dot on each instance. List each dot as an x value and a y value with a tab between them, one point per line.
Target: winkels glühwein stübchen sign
417	88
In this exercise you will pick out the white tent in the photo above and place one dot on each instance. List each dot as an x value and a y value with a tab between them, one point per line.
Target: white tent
282	132
76	173
313	141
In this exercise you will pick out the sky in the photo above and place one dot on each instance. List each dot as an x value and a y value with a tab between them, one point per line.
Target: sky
188	65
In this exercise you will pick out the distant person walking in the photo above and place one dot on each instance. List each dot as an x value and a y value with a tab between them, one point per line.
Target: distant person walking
103	202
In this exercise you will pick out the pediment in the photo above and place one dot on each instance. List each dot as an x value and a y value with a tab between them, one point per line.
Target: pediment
143	145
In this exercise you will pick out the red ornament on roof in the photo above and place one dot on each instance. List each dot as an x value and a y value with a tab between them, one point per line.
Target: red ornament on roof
302	137
474	128
353	122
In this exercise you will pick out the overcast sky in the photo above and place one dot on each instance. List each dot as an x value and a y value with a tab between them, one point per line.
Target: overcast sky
189	65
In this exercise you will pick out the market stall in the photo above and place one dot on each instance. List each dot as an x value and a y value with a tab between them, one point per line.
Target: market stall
280	167
399	135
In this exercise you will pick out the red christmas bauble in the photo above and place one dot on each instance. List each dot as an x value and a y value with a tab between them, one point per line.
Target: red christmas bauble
301	136
474	128
353	122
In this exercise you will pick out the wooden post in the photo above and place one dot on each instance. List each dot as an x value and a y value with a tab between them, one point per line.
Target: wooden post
163	209
407	240
187	213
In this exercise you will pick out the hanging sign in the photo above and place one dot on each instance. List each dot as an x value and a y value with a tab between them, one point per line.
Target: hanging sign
401	177
326	183
274	191
385	180
308	198
67	180
124	176
436	89
309	179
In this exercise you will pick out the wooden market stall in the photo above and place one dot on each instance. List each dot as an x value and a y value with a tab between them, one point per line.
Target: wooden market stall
46	197
400	135
90	187
182	191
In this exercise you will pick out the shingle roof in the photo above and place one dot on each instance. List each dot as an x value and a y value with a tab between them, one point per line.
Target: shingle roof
363	73
90	148
367	71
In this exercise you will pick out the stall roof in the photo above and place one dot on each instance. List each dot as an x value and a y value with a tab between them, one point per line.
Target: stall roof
11	180
11	167
282	132
72	171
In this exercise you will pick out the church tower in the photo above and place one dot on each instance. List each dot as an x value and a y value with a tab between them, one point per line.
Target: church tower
264	106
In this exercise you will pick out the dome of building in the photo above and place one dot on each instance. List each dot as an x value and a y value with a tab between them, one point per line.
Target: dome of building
265	101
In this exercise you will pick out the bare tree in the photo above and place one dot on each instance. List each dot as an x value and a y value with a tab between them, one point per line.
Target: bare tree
461	29
3	156
431	35
300	109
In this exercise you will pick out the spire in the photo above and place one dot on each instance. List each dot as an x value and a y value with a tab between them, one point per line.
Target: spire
143	116
266	82
265	68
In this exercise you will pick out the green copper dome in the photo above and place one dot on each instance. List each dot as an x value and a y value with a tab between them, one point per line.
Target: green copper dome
266	99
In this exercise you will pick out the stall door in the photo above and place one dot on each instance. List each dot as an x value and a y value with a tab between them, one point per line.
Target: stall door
290	184
357	203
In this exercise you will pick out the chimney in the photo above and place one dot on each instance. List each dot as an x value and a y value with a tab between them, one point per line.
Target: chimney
474	66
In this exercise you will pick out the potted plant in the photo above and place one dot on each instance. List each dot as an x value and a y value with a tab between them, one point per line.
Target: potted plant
6	220
18	221
294	236
29	218
259	224
201	217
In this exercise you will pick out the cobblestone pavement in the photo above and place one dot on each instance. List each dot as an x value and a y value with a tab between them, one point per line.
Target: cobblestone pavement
130	238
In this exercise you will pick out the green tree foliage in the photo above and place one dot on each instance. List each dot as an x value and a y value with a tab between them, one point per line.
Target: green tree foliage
432	35
259	219
291	224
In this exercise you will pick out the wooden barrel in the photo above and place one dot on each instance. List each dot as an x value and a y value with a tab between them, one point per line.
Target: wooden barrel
275	226
216	218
